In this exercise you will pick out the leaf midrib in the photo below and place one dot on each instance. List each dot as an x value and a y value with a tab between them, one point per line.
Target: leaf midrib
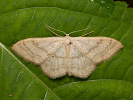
44	85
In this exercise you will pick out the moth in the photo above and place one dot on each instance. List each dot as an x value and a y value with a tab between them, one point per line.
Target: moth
75	56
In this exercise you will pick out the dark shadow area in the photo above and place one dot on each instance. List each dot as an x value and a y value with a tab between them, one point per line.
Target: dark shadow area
129	2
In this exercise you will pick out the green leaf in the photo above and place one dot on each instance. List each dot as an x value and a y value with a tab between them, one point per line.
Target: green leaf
21	80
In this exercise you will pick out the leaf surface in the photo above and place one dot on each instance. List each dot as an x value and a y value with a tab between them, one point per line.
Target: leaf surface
21	80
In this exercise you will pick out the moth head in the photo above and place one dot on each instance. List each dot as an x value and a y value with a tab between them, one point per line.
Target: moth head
67	35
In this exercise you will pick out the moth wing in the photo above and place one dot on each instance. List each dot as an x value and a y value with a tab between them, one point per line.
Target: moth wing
80	65
56	65
36	50
87	52
49	53
98	49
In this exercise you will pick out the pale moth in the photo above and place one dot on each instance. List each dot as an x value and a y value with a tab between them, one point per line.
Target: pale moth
75	56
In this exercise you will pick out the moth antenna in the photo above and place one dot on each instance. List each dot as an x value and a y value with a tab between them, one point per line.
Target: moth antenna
54	29
86	34
53	32
79	30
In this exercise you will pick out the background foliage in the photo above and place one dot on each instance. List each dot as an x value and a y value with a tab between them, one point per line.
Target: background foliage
20	19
